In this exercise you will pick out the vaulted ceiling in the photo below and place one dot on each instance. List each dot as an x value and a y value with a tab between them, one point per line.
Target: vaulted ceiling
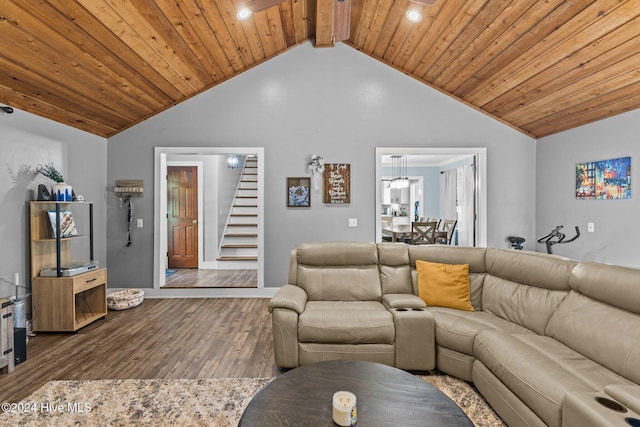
105	65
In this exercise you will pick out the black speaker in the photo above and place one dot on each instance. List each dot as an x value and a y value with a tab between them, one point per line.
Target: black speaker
43	193
19	345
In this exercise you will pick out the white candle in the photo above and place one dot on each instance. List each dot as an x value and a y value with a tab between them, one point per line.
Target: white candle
344	408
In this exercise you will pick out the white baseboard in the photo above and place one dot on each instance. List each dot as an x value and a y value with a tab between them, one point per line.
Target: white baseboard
205	292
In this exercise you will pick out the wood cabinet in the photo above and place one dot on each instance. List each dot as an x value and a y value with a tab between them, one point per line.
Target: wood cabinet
394	195
64	303
7	358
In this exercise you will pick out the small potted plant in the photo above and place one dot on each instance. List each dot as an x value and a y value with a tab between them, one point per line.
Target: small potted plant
59	191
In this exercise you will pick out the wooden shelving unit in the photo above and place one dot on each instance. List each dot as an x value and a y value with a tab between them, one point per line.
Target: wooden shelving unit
63	303
7	359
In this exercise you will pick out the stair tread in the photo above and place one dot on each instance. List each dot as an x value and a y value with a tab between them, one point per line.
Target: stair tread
242	225
245	206
244	214
246	197
240	235
238	258
240	246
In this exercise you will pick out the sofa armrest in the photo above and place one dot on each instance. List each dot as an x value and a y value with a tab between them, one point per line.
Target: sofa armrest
628	395
291	297
402	301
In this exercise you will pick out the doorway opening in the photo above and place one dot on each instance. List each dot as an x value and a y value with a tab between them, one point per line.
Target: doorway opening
431	163
197	197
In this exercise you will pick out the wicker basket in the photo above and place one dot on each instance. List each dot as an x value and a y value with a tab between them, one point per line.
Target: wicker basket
122	300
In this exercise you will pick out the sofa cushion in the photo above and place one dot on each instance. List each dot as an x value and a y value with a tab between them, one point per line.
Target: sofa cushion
606	334
340	283
530	268
622	288
525	305
346	322
540	370
444	285
395	272
449	255
475	257
338	271
456	329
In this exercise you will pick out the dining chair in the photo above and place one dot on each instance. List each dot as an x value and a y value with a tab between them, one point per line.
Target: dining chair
448	228
423	233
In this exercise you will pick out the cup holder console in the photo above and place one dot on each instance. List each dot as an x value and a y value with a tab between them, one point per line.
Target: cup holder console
402	309
611	404
417	309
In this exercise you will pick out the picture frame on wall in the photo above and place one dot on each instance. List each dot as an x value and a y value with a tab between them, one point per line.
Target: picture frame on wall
299	192
604	179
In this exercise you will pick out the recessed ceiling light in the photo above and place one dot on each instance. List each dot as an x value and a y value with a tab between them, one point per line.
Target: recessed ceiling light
243	14
414	16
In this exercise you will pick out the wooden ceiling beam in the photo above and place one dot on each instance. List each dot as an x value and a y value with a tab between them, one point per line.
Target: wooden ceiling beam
324	23
333	22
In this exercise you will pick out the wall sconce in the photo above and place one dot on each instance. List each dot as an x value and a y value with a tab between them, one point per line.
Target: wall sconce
232	161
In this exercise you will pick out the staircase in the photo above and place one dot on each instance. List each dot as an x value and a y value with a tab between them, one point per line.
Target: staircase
239	245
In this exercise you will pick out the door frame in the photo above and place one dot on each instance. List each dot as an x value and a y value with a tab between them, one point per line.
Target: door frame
199	177
480	190
160	222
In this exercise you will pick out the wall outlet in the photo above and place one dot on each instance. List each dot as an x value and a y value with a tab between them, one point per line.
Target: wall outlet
353	222
591	227
140	223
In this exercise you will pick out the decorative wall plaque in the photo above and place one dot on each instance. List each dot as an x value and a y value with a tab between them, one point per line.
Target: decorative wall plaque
337	183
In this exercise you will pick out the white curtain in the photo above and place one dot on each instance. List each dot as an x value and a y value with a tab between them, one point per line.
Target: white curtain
450	190
467	211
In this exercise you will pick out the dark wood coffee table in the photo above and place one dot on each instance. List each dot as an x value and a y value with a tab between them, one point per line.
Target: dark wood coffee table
386	397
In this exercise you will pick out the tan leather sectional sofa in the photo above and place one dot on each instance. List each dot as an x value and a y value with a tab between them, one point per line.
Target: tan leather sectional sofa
551	341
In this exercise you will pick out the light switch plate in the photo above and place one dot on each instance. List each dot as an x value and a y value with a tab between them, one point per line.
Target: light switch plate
591	227
140	223
353	222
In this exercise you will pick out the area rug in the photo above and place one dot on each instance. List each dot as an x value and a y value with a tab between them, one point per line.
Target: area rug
207	402
169	272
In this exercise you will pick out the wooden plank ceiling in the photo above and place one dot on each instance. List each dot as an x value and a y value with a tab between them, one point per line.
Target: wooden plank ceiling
105	65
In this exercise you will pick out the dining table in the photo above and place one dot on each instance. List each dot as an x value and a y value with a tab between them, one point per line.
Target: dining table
398	231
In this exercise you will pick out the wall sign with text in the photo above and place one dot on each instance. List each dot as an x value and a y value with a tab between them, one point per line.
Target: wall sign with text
337	183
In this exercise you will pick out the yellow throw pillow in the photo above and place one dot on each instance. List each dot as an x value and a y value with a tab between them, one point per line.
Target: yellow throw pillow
444	285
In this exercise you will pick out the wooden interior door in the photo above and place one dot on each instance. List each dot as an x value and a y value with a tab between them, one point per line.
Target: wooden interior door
182	216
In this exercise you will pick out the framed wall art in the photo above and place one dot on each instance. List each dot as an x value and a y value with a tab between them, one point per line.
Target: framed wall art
337	183
604	179
299	192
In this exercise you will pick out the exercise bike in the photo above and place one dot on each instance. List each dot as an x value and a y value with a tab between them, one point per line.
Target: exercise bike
556	236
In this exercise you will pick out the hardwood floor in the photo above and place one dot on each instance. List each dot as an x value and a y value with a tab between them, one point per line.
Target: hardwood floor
194	278
161	338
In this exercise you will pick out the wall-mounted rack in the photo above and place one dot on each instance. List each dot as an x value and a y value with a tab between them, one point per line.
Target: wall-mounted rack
129	188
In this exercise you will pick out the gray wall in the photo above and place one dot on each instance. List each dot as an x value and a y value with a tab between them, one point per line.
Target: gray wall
340	104
617	229
26	139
